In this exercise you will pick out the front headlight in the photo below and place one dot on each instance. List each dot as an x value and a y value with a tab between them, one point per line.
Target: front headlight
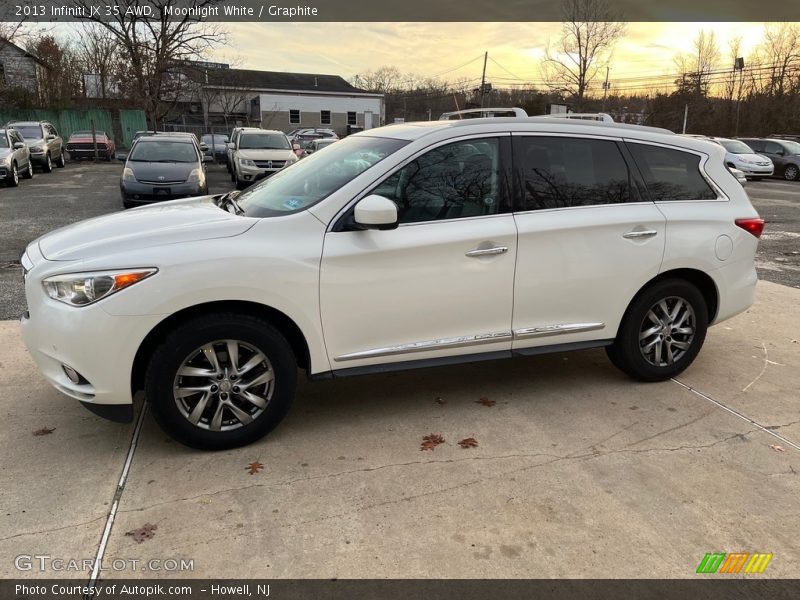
127	174
37	149
4	160
81	289
246	162
197	176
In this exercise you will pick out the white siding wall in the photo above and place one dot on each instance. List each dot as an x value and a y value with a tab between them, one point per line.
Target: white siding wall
316	103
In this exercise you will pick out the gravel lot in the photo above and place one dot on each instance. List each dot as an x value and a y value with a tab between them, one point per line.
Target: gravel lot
84	190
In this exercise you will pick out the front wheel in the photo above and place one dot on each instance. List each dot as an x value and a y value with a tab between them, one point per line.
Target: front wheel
791	173
28	172
48	164
662	331
62	161
12	179
221	381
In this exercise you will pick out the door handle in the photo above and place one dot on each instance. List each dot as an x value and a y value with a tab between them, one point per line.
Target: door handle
478	252
640	234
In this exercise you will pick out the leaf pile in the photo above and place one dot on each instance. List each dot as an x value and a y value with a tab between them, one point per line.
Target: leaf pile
145	532
429	442
468	443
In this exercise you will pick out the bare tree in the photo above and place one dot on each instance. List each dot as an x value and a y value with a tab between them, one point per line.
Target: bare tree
62	77
780	51
98	53
589	32
154	46
697	68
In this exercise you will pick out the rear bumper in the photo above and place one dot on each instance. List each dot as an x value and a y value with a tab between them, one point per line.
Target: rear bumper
736	284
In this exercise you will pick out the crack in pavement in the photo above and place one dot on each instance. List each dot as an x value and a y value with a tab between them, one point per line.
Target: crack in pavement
24	533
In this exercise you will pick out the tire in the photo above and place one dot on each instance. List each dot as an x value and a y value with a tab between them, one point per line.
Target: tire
62	160
640	360
240	185
128	204
48	164
29	171
188	347
790	173
12	179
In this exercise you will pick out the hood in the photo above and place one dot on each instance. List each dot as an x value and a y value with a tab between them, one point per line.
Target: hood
751	158
164	223
86	139
285	154
161	171
37	142
5	152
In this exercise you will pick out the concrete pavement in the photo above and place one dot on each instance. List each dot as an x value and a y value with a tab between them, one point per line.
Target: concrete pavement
579	472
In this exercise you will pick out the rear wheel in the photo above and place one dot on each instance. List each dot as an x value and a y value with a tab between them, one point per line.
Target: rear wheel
29	171
791	173
12	179
48	164
662	331
221	381
62	160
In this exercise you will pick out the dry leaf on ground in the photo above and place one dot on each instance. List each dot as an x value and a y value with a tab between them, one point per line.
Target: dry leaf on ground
254	467
429	442
44	431
145	532
468	443
485	402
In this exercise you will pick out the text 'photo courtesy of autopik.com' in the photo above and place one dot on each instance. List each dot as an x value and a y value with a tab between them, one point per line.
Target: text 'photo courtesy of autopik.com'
337	299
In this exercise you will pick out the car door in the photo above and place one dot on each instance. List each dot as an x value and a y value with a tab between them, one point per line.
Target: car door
588	239
775	152
441	283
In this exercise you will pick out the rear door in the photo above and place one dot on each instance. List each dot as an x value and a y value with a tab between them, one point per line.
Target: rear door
588	238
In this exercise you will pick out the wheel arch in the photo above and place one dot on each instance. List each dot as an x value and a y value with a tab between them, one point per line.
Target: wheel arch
701	280
283	323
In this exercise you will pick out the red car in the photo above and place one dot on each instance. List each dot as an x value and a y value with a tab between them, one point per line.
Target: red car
81	145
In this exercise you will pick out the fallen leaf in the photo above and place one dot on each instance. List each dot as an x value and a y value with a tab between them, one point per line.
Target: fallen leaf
486	402
429	442
44	431
254	467
468	443
440	401
777	448
145	532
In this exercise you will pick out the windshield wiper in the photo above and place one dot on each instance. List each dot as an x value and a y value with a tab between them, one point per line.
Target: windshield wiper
230	199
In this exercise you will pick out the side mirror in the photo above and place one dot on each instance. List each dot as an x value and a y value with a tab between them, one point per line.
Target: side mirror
121	156
50	138
231	146
204	147
207	159
376	212
18	145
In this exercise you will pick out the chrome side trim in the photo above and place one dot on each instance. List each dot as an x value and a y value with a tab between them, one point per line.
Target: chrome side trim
557	329
457	342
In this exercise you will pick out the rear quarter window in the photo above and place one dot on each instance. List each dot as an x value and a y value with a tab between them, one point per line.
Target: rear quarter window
671	174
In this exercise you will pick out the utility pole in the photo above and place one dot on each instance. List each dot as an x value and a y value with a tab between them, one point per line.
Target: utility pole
605	89
738	65
685	116
483	77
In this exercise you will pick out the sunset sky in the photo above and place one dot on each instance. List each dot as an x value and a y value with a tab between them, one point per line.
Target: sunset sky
435	48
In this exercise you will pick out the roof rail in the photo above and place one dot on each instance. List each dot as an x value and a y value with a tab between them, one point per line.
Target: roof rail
604	117
484	112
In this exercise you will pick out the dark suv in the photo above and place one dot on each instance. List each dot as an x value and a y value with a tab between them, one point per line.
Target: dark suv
784	154
43	141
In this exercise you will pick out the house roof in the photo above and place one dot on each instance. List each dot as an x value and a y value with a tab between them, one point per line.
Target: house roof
5	42
274	80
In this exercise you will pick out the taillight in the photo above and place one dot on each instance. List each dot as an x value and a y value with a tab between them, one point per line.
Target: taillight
752	226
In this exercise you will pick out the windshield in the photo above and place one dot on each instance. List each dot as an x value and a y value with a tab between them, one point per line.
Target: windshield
791	147
736	147
30	132
263	141
163	152
314	178
4	140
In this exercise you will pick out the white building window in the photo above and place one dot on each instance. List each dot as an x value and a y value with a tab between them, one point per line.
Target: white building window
325	117
351	118
294	116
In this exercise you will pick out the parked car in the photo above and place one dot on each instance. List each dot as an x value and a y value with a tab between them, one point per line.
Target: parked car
232	146
81	144
260	153
315	132
317	145
740	176
742	157
393	250
15	158
784	154
43	141
216	146
160	167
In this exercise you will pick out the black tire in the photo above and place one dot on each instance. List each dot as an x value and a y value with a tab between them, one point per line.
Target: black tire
791	173
183	342
12	179
62	160
626	352
240	185
29	171
128	204
47	167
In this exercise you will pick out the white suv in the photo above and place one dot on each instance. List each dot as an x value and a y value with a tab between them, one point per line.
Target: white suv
259	153
406	246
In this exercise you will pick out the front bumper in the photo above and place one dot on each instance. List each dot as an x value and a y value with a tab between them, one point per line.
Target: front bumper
77	153
756	170
39	158
137	191
253	174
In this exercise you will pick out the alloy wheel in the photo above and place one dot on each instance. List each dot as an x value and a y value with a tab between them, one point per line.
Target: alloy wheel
14	174
224	385
791	173
667	331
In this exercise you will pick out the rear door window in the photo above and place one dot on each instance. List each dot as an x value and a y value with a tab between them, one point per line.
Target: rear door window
563	172
671	174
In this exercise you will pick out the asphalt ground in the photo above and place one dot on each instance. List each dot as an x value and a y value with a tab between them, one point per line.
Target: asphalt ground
84	189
